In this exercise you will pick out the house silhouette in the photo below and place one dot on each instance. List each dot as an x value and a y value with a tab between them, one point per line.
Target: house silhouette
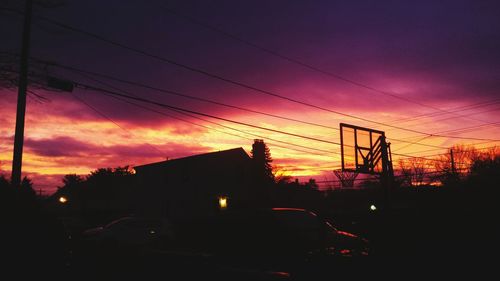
191	186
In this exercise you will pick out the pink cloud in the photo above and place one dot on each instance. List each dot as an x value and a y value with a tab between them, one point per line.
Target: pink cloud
72	148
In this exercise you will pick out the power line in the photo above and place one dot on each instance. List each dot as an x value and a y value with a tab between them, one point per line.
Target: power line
466	129
410	144
224	126
418	157
112	121
80	71
220	131
471	128
230	81
482	148
473	145
213	102
259	136
456	109
174	93
303	64
237	83
428	159
86	73
107	92
469	114
419	142
396	176
218	103
460	130
210	128
88	87
170	92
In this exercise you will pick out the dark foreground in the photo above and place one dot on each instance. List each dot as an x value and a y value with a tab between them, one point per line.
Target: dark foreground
430	239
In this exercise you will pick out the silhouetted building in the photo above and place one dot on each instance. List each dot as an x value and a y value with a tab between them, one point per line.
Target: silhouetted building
192	186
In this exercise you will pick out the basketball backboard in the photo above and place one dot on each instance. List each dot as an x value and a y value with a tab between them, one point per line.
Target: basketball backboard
361	149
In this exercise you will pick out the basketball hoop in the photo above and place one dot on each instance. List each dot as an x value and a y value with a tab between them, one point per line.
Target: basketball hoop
346	177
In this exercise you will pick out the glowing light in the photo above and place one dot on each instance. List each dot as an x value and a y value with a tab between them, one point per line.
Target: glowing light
63	200
373	208
223	202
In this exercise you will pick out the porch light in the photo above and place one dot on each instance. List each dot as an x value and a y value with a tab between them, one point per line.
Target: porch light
63	200
223	202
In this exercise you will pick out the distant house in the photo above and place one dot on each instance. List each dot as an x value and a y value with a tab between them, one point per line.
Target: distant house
191	186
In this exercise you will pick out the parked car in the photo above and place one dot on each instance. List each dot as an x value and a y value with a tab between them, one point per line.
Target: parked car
265	244
131	231
120	247
288	240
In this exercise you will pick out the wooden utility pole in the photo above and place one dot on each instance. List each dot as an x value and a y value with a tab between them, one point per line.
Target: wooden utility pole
21	97
453	168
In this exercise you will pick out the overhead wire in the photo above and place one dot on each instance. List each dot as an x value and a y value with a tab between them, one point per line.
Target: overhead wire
304	64
468	114
227	80
105	91
213	102
456	109
108	92
277	95
215	123
206	100
114	122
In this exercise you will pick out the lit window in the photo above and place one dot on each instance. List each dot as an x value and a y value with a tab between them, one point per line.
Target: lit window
223	202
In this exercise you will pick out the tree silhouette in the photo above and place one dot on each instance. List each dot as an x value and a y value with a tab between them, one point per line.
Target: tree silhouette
484	171
463	157
413	171
27	189
280	176
73	188
4	182
102	195
107	183
262	160
70	180
311	183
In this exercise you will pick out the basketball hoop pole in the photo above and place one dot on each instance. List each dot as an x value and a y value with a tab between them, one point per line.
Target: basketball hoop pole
385	176
342	146
372	148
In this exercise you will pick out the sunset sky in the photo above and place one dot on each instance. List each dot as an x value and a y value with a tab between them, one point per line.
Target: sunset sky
438	61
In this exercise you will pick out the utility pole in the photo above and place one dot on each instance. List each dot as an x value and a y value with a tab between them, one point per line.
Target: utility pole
453	168
21	97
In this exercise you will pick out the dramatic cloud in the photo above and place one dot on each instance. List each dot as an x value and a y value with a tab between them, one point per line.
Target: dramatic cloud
58	147
433	55
67	147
